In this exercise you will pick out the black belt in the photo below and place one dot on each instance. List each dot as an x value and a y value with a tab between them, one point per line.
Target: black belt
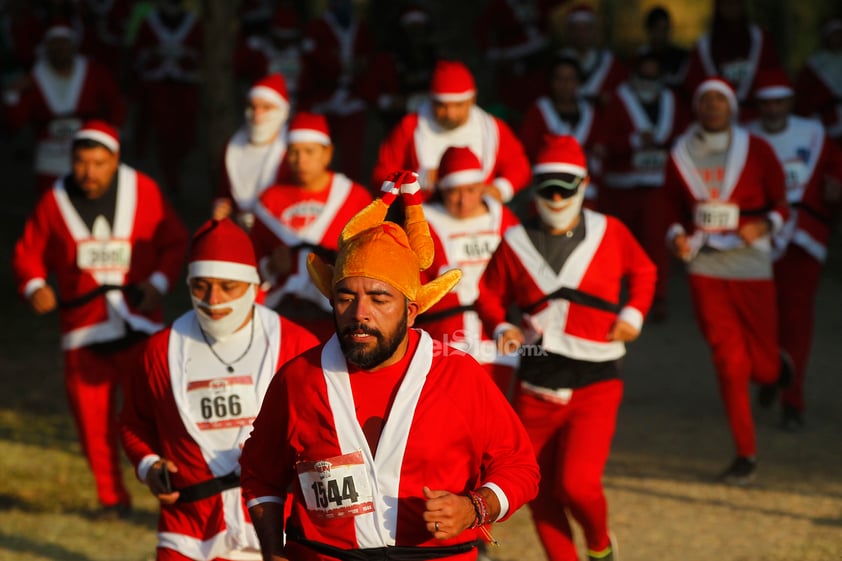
208	488
577	297
389	553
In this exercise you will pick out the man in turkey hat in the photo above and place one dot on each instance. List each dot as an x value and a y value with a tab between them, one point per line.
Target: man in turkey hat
385	446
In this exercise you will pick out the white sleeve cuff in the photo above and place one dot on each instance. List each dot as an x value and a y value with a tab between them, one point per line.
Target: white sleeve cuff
777	221
674	230
145	465
632	316
267	276
160	282
32	285
501	496
266	499
505	187
502	328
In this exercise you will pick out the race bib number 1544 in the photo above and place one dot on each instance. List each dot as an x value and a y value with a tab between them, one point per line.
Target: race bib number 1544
336	487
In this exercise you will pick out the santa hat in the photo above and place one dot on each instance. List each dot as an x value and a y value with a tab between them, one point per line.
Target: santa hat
459	166
221	249
370	247
99	131
452	81
308	127
773	84
560	154
272	88
413	15
581	14
61	29
717	85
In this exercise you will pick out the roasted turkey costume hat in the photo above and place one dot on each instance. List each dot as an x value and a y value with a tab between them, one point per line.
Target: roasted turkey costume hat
373	248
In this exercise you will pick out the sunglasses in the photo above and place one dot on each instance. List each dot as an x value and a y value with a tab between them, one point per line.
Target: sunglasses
564	184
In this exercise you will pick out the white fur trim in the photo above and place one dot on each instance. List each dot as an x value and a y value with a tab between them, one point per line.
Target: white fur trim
501	497
270	95
505	187
411	188
632	316
145	465
464	177
674	230
559	167
308	135
502	328
160	281
717	85
223	270
774	92
777	221
32	285
452	97
265	499
98	136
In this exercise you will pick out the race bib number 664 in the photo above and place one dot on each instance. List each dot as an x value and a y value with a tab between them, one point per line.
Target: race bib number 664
336	487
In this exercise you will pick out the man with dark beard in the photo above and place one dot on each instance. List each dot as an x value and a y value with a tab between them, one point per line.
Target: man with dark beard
386	445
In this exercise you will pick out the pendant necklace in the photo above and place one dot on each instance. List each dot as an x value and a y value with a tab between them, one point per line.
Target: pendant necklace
229	365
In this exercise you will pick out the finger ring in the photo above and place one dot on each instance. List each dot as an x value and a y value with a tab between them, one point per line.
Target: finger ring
437	526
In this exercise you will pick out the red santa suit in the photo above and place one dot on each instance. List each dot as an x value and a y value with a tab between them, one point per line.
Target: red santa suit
634	171
602	73
145	242
333	64
304	222
570	389
185	407
375	487
57	106
418	142
726	58
167	60
466	244
819	91
730	282
800	247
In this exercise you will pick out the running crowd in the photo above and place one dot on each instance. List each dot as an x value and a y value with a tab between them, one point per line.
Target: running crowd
448	330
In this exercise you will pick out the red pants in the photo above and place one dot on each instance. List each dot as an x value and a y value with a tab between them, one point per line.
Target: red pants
572	443
797	276
739	320
348	134
165	554
92	380
641	209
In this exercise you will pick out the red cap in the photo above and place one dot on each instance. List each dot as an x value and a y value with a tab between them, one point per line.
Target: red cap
717	84
581	14
308	127
99	131
459	166
272	88
221	249
452	81
560	154
772	83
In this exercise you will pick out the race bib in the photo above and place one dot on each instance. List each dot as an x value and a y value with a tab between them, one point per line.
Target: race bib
53	153
735	71
64	128
717	216
473	248
104	255
649	160
336	487
222	403
796	173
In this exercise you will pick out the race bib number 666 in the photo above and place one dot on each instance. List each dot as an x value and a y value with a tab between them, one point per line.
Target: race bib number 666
336	487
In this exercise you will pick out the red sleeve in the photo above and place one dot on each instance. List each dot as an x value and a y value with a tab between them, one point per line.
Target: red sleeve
532	131
171	239
677	207
394	153
495	289
32	255
774	179
812	97
512	163
640	272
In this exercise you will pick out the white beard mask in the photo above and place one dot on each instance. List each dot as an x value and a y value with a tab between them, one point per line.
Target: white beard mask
560	219
269	125
225	326
647	90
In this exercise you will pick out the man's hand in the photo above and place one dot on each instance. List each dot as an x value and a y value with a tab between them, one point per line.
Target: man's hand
752	231
681	246
492	191
222	208
446	514
510	341
43	300
150	299
622	331
155	481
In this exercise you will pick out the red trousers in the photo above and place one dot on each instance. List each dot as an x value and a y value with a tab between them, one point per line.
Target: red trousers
572	443
797	276
165	554
92	380
641	209
739	321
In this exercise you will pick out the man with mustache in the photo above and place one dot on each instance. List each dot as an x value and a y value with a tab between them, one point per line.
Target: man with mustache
564	271
190	407
384	447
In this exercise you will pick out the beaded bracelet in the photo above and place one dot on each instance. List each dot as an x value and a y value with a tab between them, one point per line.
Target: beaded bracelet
483	517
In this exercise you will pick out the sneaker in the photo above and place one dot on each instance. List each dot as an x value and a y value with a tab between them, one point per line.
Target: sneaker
611	553
766	393
792	420
741	471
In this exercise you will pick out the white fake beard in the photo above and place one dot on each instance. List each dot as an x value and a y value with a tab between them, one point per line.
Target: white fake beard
704	143
560	220
269	125
647	90
225	326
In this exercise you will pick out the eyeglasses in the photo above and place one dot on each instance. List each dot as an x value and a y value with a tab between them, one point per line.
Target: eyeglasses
564	184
